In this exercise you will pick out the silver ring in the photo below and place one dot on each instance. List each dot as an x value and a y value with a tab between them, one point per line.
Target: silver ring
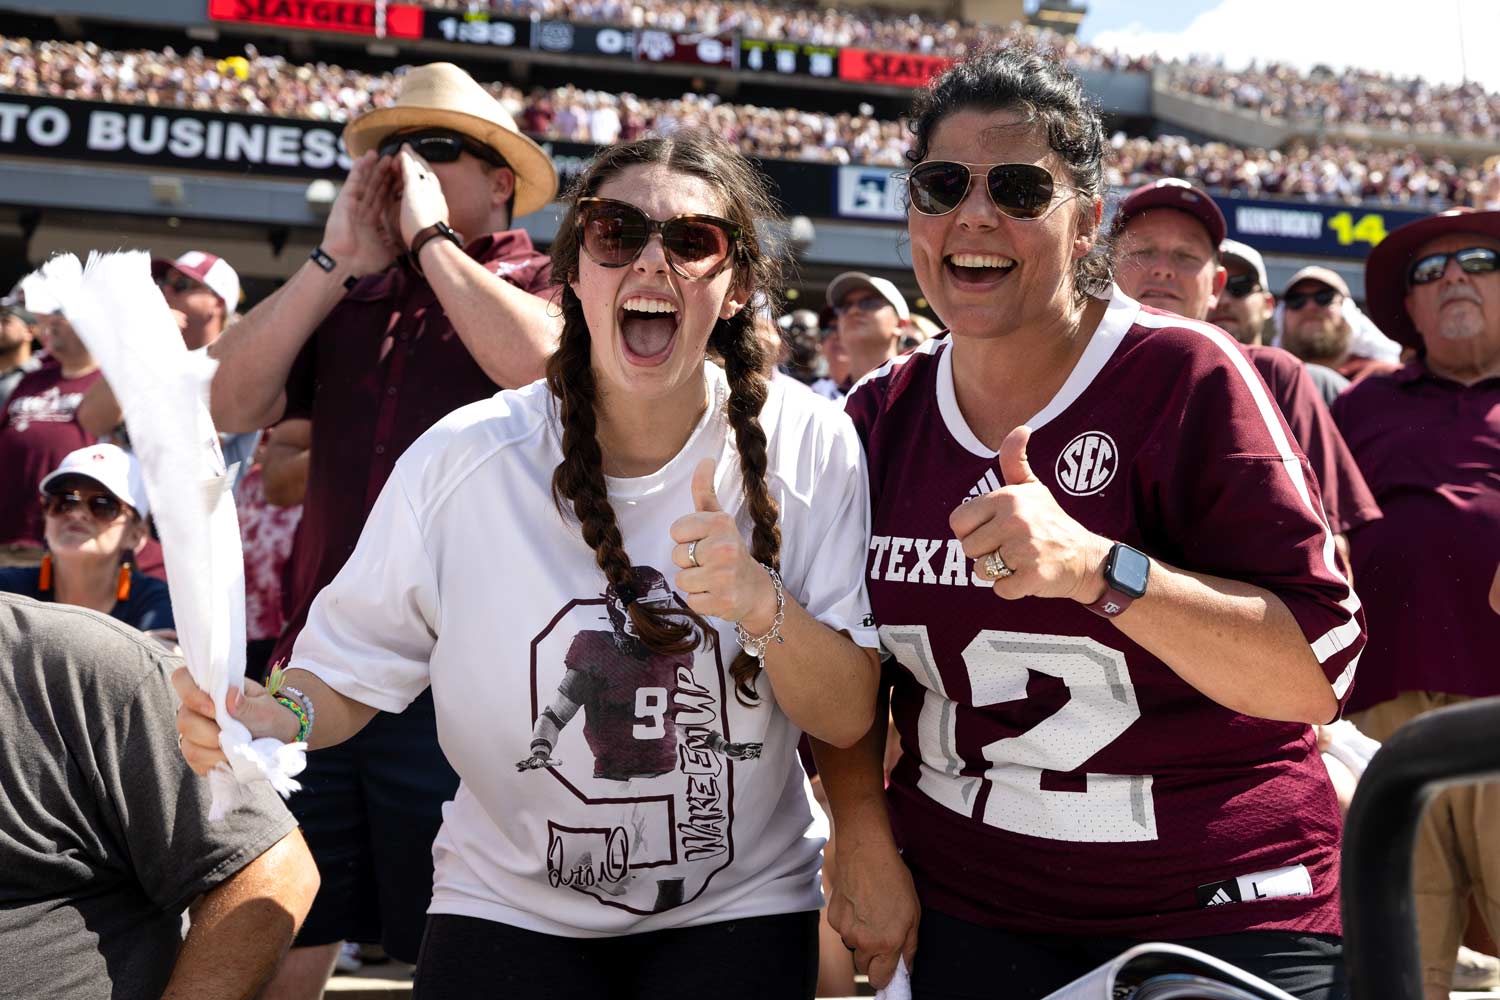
693	553
994	567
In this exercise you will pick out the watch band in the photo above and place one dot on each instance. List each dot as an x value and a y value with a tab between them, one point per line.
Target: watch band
323	259
432	232
1116	599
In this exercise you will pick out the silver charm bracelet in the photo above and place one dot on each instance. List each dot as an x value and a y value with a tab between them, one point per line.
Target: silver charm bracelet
756	645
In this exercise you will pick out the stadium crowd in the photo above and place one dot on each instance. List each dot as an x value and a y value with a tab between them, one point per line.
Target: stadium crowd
379	571
270	85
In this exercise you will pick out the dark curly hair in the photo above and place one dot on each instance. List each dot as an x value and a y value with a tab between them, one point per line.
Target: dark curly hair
1017	78
578	484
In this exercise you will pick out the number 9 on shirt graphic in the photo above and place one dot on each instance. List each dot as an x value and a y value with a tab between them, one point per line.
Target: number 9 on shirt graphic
645	820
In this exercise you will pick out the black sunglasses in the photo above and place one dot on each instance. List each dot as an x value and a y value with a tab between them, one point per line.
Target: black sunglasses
1473	260
613	234
102	506
1323	297
179	283
1241	285
1022	191
440	147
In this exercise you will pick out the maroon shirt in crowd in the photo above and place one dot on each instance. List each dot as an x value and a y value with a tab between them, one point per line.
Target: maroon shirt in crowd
382	368
1346	497
1055	776
37	430
1430	449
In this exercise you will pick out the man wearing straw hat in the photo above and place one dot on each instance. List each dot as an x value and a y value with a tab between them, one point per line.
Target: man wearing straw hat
421	298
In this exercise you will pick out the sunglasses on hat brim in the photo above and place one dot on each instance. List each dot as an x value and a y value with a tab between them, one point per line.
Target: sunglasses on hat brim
1472	260
613	234
440	147
1021	191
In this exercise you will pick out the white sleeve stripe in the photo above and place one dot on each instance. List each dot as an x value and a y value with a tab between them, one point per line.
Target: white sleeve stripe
1337	638
1341	685
926	347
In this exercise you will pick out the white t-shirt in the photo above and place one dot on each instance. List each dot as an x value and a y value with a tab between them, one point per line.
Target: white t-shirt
467	578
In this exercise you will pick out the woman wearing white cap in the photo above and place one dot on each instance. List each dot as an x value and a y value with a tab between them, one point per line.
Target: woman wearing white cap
95	521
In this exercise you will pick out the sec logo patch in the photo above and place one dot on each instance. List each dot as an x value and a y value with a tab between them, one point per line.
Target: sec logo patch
1087	464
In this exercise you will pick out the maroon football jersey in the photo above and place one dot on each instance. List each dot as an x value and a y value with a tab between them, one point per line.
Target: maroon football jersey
627	699
1056	777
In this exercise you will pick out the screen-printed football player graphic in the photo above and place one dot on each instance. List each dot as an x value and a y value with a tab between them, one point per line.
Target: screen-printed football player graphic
630	716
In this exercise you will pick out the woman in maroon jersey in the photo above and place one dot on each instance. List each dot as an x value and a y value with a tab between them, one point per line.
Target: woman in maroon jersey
1100	565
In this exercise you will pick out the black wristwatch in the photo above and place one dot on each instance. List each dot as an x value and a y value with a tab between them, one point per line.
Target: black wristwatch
321	257
438	230
1126	571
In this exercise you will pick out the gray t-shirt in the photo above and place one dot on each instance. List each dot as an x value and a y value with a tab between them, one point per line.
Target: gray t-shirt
104	832
1329	382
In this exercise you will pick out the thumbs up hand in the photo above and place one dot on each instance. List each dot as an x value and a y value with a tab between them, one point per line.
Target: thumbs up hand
1047	552
719	576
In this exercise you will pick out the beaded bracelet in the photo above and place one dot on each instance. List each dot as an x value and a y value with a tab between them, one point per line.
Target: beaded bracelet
307	704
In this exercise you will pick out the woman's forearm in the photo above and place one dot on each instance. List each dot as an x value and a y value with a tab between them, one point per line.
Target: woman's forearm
853	779
1237	644
823	681
337	717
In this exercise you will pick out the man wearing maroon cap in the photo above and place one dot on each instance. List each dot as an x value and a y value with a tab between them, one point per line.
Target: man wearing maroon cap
1168	235
1428	440
203	290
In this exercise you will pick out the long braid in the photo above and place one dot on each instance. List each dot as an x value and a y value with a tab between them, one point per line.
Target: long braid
744	360
579	482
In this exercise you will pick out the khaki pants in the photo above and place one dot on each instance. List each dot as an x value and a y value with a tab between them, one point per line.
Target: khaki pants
20	555
1457	853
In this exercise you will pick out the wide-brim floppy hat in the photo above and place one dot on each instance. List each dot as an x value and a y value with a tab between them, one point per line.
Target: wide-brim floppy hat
1387	266
440	95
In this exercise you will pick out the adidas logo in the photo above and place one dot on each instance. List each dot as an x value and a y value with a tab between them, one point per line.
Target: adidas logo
1219	898
988	483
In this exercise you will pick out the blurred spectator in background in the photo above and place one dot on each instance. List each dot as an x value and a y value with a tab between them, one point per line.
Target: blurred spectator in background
1245	305
268	499
835	359
799	331
1168	235
203	292
918	332
16	357
95	521
1428	440
105	840
39	426
420	298
1318	324
872	318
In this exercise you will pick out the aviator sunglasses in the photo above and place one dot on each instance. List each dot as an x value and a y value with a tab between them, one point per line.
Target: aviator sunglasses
440	147
102	506
1473	260
1022	191
613	234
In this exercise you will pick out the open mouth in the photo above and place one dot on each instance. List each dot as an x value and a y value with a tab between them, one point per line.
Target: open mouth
648	328
983	269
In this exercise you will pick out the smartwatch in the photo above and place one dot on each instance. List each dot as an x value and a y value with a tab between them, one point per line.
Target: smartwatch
1125	573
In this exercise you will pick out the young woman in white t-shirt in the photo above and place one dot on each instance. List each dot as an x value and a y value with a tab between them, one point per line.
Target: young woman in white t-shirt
632	819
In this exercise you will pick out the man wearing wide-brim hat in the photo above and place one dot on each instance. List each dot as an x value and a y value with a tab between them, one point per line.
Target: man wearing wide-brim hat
420	298
1428	440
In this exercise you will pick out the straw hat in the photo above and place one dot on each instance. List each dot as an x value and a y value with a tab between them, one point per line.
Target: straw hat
440	95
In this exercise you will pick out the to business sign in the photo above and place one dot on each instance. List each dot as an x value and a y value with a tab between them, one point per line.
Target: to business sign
895	69
142	136
355	17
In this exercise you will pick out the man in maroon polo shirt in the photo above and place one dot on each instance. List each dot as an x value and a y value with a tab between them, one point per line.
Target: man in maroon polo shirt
420	299
1168	235
1428	440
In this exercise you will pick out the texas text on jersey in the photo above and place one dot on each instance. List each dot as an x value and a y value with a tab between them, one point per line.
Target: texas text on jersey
1055	776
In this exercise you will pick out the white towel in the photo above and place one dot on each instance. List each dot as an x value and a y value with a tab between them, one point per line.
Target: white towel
162	388
899	988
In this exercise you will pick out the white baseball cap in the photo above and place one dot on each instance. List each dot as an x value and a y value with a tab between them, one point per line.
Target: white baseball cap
111	467
214	272
850	280
1249	255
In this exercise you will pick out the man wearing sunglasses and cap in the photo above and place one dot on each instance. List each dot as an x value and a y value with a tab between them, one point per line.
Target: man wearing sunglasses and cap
872	316
1317	325
1169	235
16	331
420	298
1428	438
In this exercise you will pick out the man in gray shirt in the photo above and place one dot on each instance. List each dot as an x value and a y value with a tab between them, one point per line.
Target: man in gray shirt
104	832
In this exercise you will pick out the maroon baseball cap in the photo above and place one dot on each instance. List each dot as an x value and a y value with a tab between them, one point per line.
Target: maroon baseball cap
1173	192
1386	267
210	270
